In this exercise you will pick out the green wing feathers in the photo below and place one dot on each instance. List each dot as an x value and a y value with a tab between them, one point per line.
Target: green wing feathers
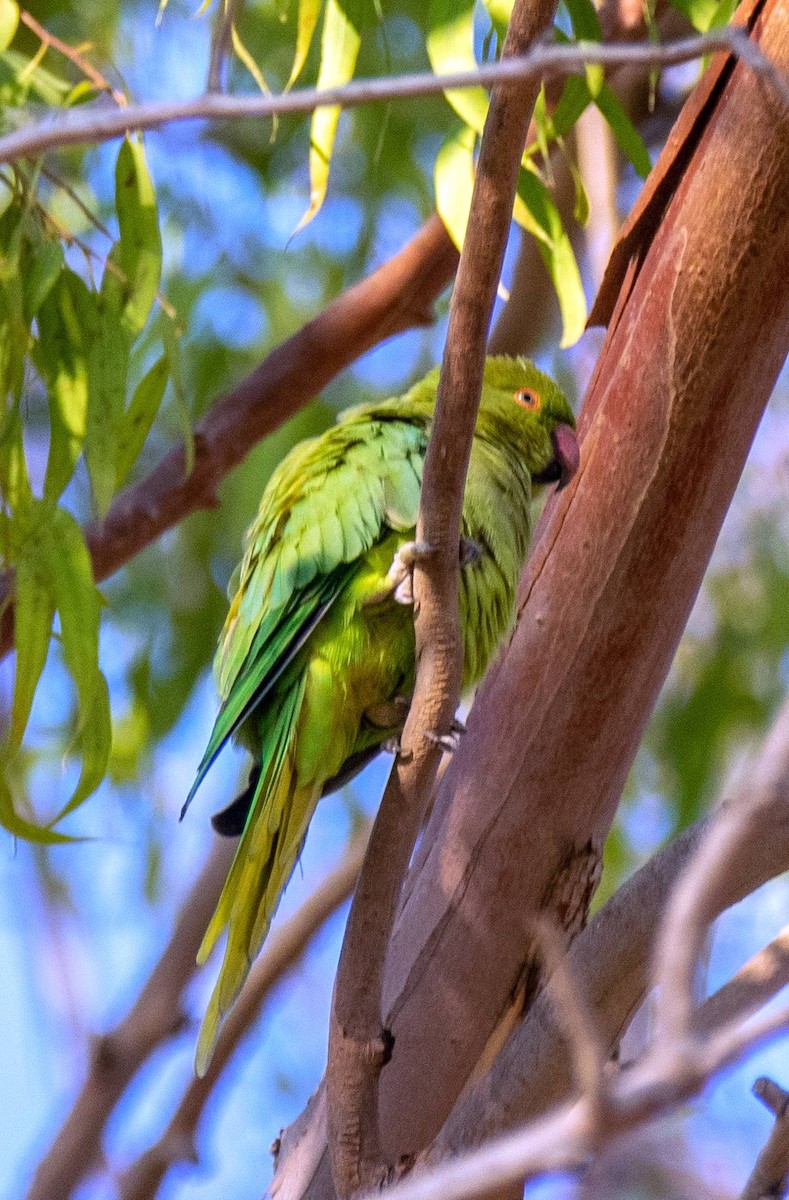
266	855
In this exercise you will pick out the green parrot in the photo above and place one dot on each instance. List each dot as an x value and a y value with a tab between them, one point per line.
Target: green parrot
315	665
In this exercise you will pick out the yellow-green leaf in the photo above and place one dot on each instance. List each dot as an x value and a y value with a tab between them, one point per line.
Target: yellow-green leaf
9	19
33	613
67	323
450	47
341	39
93	744
627	136
77	601
454	182
41	275
557	254
108	367
306	22
130	284
19	827
500	12
14	479
139	417
246	58
586	27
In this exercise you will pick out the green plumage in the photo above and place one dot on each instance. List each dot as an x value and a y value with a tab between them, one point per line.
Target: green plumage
317	649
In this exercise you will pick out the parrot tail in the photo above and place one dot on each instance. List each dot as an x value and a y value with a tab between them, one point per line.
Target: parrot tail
270	845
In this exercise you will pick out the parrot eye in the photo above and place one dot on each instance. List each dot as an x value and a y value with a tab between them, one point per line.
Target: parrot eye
528	398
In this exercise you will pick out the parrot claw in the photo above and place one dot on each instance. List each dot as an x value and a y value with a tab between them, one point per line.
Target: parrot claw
392	746
470	552
401	572
448	742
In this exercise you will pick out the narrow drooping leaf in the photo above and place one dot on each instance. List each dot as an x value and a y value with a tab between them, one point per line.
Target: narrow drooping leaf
557	254
450	47
627	136
21	828
131	279
341	39
33	613
500	12
108	368
248	60
586	27
77	601
306	23
454	182
67	322
93	744
136	422
14	479
41	275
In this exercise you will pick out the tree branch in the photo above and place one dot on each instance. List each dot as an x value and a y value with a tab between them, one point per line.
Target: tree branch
283	950
94	124
770	1175
358	1047
397	296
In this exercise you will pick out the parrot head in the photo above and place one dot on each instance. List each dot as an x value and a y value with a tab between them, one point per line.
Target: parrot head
525	404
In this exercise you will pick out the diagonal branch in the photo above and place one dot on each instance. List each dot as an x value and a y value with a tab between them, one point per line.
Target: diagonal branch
770	1176
397	296
358	1046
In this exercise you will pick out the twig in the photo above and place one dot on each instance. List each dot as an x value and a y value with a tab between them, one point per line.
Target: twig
770	1176
284	948
96	124
88	70
696	898
396	297
358	1047
157	1014
226	17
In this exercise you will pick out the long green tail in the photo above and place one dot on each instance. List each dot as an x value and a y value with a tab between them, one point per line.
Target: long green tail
266	855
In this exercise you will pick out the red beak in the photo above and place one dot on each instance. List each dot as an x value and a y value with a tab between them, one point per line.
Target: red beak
568	453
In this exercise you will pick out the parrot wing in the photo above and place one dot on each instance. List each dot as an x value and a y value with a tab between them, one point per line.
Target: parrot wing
327	504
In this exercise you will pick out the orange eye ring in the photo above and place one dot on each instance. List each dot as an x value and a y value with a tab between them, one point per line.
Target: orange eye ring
528	398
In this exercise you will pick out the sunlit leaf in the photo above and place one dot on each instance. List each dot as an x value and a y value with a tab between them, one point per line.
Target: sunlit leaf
557	253
139	417
14	479
627	136
76	598
705	14
33	613
586	27
450	47
131	281
247	59
306	23
9	20
454	182
341	39
500	12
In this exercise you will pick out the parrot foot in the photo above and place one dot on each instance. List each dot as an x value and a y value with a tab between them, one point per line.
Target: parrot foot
470	552
401	572
448	742
392	746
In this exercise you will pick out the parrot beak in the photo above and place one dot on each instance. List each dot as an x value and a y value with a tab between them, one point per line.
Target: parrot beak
567	456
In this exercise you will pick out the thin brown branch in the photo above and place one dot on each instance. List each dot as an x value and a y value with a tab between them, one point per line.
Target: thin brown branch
117	1056
141	1181
94	124
396	297
226	17
753	985
769	1179
696	898
358	1046
73	55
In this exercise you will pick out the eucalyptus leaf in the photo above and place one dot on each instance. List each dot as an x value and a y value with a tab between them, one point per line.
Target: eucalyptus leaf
454	182
557	254
33	613
450	47
139	417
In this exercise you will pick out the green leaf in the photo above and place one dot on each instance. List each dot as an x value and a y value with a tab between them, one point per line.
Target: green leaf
19	827
500	12
172	345
41	276
108	368
67	324
9	19
586	27
627	136
306	22
574	99
14	479
557	253
139	417
450	47
93	743
454	182
33	613
131	279
249	62
341	39
705	14
77	601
